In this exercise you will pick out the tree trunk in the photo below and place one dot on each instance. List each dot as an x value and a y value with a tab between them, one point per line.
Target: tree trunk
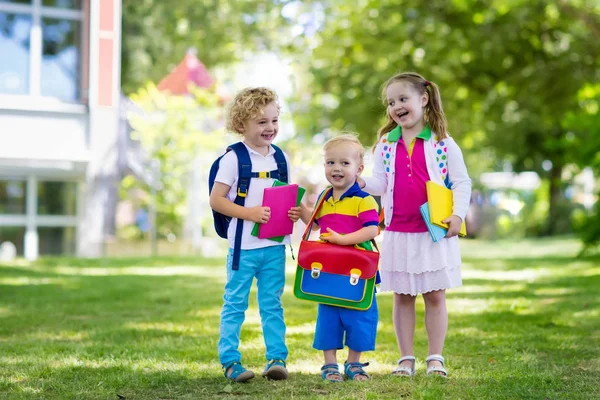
555	192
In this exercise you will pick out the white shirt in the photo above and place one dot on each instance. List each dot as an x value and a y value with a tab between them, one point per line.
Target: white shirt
228	175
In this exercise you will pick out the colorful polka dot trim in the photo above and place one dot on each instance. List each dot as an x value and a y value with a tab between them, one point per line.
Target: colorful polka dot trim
386	154
441	150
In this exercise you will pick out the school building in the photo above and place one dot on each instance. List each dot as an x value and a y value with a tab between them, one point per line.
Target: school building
59	124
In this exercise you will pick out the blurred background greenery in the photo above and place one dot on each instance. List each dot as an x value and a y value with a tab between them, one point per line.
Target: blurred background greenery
519	80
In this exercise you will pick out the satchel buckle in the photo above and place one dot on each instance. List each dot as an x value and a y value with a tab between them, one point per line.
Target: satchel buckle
354	276
316	269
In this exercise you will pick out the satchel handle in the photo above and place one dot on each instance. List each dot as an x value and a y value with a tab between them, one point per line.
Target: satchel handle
318	205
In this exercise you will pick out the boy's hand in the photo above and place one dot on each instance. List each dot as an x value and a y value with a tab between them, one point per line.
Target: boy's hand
454	222
294	213
259	214
333	237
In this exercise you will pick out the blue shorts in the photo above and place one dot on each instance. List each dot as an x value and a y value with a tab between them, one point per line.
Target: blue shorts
360	328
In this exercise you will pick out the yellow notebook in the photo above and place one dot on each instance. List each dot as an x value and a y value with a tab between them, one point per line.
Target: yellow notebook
440	205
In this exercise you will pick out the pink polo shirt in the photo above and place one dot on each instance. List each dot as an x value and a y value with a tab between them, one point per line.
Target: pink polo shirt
409	188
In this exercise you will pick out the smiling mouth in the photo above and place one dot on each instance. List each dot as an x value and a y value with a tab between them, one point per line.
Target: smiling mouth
269	137
402	114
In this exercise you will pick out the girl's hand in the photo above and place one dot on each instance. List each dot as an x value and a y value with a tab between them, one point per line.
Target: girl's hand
454	222
361	182
294	213
259	214
332	237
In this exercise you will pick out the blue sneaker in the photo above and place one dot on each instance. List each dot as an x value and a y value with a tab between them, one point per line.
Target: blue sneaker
275	370
238	372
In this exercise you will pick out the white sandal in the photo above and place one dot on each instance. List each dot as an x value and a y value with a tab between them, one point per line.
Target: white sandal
402	370
436	369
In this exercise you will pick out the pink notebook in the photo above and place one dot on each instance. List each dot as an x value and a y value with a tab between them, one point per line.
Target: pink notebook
280	199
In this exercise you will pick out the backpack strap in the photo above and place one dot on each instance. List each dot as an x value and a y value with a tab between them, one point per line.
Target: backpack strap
244	176
281	173
282	169
318	206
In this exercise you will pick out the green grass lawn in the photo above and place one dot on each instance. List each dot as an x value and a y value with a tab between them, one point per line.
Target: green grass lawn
526	324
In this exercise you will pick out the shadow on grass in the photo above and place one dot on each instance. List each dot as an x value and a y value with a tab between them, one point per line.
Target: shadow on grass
519	263
134	383
160	261
121	315
107	311
514	343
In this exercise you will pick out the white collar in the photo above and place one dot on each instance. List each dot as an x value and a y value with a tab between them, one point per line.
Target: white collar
251	150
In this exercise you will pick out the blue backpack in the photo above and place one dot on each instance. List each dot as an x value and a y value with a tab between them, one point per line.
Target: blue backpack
245	175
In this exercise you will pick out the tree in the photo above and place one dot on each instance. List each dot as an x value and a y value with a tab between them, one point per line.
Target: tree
583	127
156	34
509	72
175	131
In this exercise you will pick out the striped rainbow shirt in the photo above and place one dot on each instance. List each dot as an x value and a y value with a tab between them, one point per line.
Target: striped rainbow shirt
354	210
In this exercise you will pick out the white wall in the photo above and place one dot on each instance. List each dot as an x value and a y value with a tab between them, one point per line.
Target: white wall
43	136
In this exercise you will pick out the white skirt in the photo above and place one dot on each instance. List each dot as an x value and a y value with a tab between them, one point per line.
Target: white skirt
412	263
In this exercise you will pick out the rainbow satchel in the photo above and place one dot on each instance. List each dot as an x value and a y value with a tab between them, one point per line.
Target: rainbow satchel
328	273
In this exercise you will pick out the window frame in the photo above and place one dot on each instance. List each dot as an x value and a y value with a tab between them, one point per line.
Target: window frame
31	220
37	11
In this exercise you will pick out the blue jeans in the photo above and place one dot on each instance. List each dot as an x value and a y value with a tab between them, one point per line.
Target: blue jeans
267	265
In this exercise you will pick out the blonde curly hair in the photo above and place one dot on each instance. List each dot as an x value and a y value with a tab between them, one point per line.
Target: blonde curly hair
249	104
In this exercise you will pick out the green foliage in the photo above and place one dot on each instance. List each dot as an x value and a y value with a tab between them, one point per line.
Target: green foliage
583	126
509	73
524	325
518	78
156	34
178	132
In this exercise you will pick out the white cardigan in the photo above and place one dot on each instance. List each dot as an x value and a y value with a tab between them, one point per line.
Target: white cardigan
382	182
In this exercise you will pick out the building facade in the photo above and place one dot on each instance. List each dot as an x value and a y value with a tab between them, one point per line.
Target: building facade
59	124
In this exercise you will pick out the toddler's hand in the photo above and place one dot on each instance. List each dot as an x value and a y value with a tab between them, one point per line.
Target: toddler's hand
260	214
454	223
332	237
294	213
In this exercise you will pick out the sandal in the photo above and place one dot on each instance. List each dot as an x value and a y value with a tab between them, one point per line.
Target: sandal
238	372
436	369
276	370
402	370
354	369
328	371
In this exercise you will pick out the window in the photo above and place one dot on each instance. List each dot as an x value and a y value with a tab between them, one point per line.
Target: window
56	240
73	4
57	198
54	220
41	47
14	43
60	59
12	197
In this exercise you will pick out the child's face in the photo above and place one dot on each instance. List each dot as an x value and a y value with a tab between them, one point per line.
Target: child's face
342	165
260	131
405	105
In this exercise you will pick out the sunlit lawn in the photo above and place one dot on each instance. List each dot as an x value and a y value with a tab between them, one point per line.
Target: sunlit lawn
526	324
